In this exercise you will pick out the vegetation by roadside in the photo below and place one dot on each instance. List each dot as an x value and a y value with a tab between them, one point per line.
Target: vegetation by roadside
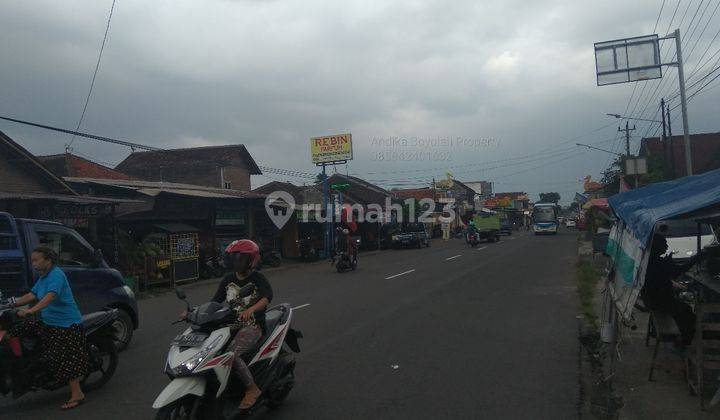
587	278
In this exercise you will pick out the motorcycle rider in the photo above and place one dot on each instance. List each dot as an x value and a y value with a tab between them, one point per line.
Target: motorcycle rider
59	326
243	257
471	229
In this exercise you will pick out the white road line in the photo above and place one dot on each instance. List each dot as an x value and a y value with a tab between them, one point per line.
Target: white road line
301	306
453	257
399	274
481	248
512	239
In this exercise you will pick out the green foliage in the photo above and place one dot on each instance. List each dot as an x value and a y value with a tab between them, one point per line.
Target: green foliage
587	278
655	170
551	197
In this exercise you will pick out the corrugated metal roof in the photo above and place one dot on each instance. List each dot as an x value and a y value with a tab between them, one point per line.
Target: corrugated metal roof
61	197
152	188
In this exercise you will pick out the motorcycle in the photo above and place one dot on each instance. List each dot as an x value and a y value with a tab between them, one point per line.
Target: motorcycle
472	239
22	368
200	363
345	256
271	258
307	252
213	267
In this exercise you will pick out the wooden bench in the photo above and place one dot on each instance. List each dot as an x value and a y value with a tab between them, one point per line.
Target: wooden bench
665	330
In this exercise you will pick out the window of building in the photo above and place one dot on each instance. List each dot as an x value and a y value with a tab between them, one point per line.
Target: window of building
227	185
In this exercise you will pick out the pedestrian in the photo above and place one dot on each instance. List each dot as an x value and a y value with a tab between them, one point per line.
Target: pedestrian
446	231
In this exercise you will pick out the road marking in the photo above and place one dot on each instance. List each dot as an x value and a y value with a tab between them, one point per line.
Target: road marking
453	257
399	274
479	249
512	239
301	306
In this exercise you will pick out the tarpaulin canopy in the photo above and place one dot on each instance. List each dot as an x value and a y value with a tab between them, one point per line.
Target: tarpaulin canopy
642	208
638	212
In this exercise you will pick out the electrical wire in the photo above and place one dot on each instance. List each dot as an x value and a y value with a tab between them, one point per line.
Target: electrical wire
92	83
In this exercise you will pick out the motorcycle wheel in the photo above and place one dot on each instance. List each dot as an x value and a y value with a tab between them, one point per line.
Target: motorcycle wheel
181	409
275	262
103	356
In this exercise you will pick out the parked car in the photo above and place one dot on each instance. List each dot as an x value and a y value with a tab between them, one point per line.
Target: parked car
570	223
95	285
411	235
681	237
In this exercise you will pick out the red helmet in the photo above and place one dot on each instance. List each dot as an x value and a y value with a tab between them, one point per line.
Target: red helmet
244	246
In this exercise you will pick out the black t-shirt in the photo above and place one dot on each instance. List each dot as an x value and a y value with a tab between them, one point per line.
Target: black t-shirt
262	290
658	292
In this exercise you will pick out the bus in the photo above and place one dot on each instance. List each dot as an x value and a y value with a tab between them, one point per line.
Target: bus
545	219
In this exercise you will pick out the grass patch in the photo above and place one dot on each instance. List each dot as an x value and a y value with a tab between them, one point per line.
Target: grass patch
587	278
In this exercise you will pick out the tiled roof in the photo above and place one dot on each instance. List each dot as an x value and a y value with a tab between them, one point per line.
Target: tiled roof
208	155
416	193
67	164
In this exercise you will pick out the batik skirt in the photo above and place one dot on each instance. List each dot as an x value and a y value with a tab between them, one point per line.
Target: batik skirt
63	349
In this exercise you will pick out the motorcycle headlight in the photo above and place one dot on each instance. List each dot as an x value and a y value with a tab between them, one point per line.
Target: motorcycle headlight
394	238
188	366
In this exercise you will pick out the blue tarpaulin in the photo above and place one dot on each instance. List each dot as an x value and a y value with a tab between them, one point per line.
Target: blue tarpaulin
642	208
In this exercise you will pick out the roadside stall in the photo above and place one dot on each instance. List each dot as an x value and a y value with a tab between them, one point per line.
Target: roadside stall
639	213
175	254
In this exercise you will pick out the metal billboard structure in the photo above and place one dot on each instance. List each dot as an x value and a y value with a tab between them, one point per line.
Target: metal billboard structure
628	60
638	58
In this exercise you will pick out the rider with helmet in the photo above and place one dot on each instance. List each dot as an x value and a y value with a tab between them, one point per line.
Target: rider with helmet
243	257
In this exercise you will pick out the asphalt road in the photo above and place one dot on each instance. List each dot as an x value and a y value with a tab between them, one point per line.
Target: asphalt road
446	331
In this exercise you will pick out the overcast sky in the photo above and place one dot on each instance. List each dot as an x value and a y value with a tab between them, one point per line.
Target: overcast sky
513	80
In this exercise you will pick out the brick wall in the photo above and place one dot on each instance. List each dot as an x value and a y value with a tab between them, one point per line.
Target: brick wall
239	177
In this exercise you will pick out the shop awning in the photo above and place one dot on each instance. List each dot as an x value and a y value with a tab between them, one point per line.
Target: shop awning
176	228
642	208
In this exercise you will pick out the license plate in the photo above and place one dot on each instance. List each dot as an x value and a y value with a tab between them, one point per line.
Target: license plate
190	340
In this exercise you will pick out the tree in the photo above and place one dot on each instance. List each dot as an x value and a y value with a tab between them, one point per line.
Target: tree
611	177
655	170
551	197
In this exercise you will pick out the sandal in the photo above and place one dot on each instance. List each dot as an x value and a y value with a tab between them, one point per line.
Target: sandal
246	405
72	404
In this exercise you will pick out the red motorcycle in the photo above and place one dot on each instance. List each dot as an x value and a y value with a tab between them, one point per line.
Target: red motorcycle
345	255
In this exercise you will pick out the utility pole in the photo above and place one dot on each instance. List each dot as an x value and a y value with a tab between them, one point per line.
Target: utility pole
666	150
672	146
683	106
627	131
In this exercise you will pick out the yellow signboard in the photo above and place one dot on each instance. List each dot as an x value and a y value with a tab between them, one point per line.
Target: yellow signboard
331	148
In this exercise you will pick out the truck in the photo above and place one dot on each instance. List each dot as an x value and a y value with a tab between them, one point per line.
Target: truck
487	224
94	284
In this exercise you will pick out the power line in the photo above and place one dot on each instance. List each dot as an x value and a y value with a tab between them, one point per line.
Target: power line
667	52
97	67
77	133
645	85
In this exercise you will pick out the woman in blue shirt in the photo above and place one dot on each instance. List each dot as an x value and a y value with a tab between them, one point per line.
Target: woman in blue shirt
59	326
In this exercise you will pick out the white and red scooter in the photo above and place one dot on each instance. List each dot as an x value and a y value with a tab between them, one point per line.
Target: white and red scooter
200	363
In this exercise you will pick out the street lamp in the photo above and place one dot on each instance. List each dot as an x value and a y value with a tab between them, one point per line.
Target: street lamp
597	148
631	118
